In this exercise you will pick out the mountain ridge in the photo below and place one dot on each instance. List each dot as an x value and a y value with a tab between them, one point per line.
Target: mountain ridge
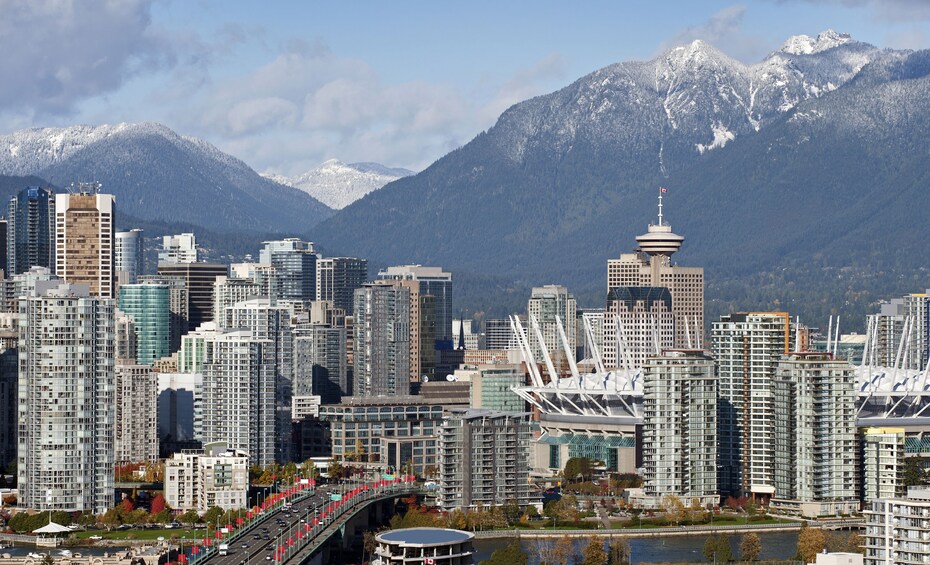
159	175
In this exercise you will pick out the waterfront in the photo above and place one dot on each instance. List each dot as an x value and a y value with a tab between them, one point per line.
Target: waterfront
678	549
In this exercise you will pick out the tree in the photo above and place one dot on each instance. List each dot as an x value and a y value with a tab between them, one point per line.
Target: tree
511	511
189	517
158	504
48	559
750	547
619	552
211	515
914	473
577	467
334	470
369	543
674	508
594	552
564	550
511	554
359	450
811	541
717	548
127	505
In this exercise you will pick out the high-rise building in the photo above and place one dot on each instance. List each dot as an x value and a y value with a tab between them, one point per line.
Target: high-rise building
382	333
180	248
464	335
84	234
338	277
652	266
4	234
31	231
907	319
422	328
491	386
239	395
136	400
294	265
680	426
320	363
647	321
148	305
747	347
129	256
483	459
895	529
433	281
66	404
178	304
198	279
9	378
883	463
272	325
815	435
545	304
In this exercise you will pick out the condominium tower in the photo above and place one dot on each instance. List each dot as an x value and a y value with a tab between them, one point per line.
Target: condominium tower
747	347
381	334
680	426
815	435
66	404
483	459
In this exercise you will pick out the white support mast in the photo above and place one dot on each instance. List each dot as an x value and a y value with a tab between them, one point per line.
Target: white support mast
569	355
553	376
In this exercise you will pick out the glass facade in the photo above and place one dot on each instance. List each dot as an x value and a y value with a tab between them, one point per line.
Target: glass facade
148	306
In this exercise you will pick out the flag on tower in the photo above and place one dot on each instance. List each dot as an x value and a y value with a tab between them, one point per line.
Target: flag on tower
661	190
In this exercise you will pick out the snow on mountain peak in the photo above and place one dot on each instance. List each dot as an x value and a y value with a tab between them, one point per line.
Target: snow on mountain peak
807	45
337	184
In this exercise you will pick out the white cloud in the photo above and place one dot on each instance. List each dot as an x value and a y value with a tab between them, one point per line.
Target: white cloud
724	30
57	53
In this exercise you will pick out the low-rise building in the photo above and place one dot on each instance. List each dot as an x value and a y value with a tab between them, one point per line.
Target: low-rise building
361	426
200	480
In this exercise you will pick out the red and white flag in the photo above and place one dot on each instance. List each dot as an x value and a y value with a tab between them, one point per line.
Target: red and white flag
661	190
429	561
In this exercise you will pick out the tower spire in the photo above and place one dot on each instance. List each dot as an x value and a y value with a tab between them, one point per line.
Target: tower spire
660	207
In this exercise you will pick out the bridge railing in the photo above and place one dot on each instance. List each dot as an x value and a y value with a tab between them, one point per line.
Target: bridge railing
201	552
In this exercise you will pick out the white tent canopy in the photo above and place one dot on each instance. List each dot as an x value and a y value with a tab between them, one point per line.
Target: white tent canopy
52	528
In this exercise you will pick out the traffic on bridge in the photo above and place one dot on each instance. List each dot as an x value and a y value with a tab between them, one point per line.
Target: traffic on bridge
287	523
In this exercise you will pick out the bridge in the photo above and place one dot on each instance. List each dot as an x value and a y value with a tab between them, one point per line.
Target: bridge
294	527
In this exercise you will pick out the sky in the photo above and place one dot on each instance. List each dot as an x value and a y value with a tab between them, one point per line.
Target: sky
287	85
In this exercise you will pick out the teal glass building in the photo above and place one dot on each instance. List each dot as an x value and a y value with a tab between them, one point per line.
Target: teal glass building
148	305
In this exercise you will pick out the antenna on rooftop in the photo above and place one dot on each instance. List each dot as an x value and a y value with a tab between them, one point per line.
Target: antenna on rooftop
85	188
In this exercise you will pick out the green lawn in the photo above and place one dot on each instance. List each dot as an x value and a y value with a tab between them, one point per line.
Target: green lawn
185	533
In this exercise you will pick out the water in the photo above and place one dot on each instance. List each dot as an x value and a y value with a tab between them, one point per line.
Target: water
671	549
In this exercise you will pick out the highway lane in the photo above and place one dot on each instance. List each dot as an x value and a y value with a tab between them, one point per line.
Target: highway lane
259	545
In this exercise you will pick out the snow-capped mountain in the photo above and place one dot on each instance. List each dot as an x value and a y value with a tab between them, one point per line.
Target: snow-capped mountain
337	184
784	158
157	174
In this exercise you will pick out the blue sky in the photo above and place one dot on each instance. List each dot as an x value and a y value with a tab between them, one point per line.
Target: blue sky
286	85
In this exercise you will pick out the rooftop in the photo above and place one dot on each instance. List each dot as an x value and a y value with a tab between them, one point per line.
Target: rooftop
425	536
